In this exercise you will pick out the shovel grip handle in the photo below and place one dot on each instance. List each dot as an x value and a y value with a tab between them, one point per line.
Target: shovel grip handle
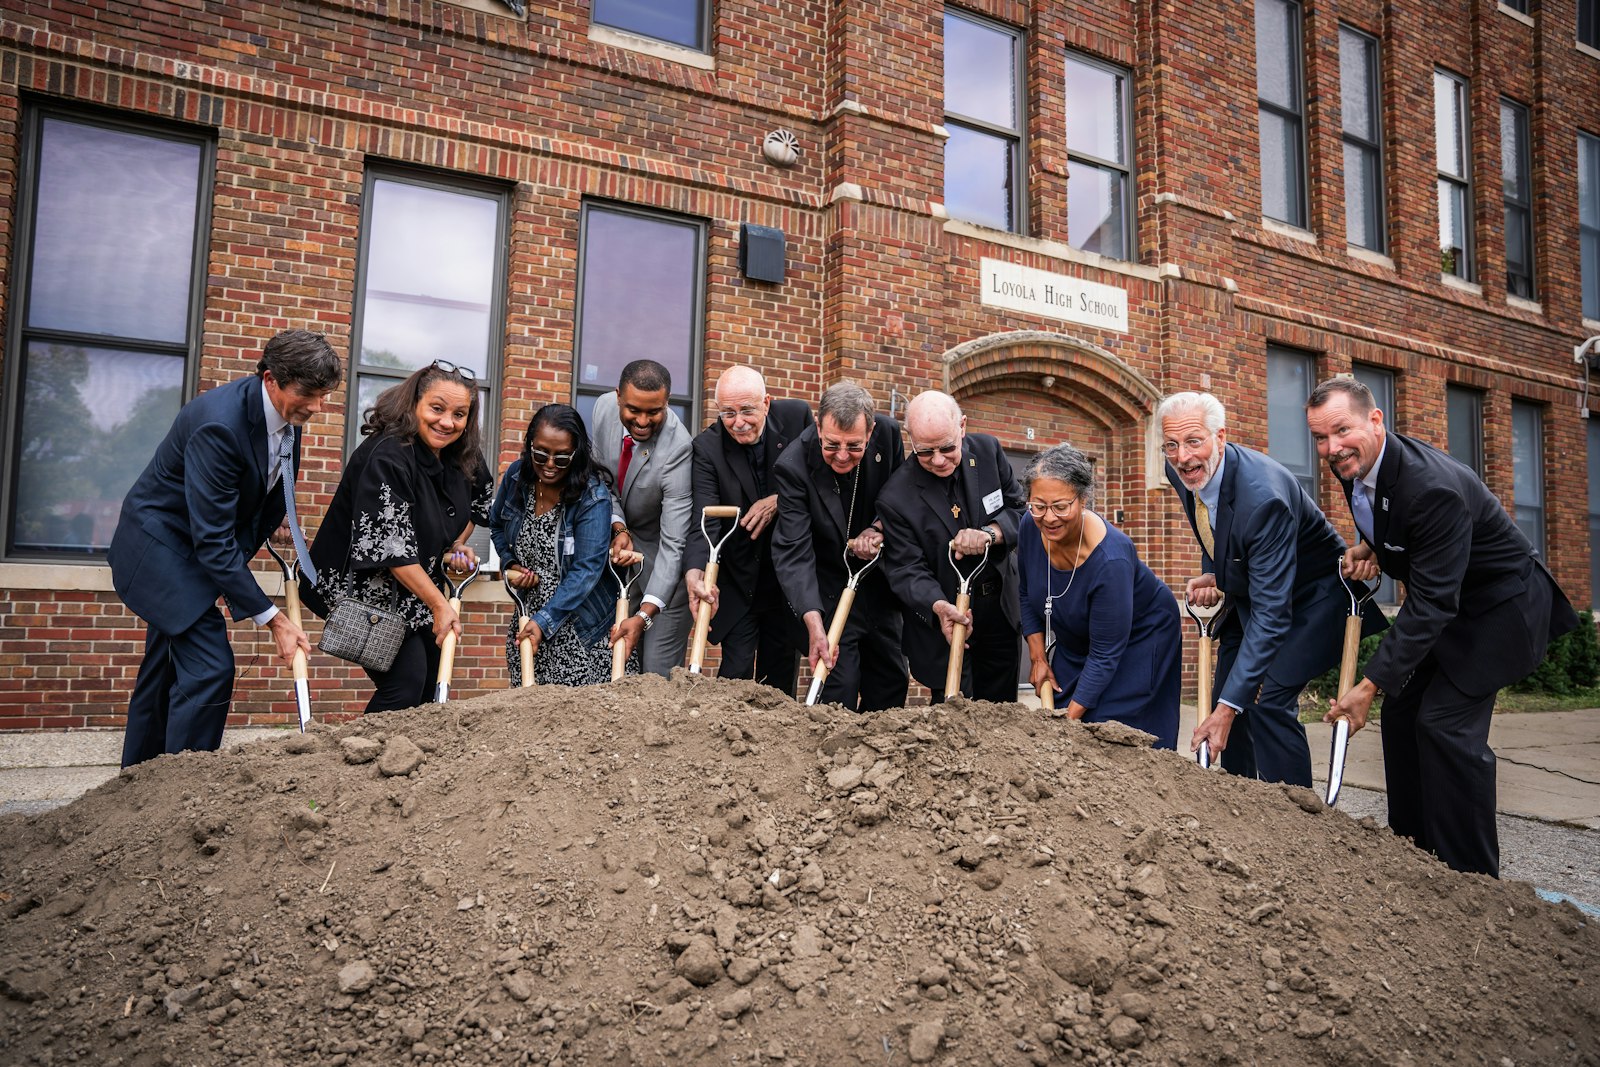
525	647
1352	651
958	644
720	511
619	650
447	652
1047	697
702	618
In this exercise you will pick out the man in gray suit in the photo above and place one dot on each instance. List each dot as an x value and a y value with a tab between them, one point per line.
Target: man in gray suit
648	451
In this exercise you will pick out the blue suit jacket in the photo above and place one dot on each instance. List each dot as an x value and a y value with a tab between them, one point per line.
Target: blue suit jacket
199	512
1278	564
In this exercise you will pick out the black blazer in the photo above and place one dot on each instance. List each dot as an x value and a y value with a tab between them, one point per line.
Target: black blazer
918	527
199	511
722	475
1477	596
808	544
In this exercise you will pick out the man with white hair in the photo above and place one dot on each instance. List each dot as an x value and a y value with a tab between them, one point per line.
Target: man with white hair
1267	545
959	493
733	459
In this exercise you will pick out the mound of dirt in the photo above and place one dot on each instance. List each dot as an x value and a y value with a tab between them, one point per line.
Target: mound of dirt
699	870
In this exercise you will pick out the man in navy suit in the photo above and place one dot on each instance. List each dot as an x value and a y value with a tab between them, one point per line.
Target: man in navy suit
190	524
733	460
1480	609
960	492
1268	547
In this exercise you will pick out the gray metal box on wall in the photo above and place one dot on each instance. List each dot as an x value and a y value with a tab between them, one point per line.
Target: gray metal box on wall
761	252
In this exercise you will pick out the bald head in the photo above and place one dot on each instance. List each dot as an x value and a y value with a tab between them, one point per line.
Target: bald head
742	403
936	427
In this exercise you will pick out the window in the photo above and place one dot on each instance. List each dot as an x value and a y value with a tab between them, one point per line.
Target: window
111	247
983	112
1381	382
432	275
1594	511
1281	111
1099	148
1518	190
1589	23
1454	150
1290	377
1359	97
641	293
681	22
1589	221
1527	469
1519	6
1464	413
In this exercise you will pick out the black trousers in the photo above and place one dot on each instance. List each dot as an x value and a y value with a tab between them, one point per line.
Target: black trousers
410	679
761	645
1267	740
1440	770
989	667
181	696
870	674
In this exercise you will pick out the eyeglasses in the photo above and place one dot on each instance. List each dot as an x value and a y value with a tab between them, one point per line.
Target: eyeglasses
943	450
450	368
1190	444
1059	508
733	414
561	460
855	448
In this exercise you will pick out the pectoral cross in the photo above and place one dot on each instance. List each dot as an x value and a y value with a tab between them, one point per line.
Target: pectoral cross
955	511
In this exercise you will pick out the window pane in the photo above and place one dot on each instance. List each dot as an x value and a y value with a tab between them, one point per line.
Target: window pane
91	419
1452	228
1280	168
1356	84
114	234
1589	180
1447	124
979	72
1519	261
1361	200
1589	22
1278	53
678	21
1513	152
640	286
1594	512
1095	199
1591	274
1465	417
1528	471
1288	437
430	277
977	177
1095	111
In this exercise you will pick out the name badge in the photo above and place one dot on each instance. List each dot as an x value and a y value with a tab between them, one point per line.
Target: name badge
992	502
571	545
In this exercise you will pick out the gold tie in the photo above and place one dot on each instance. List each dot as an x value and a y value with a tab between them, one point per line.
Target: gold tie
1202	523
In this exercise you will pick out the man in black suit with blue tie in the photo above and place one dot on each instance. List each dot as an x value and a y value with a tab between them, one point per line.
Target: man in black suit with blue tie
1479	610
220	482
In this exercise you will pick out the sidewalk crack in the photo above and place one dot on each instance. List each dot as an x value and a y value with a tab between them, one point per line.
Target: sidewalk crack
1547	770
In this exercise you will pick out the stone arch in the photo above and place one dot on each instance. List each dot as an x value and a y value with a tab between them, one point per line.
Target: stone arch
1081	377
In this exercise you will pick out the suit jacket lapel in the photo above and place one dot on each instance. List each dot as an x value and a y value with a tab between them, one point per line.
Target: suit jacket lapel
738	461
1230	474
833	502
931	490
974	487
255	418
1388	477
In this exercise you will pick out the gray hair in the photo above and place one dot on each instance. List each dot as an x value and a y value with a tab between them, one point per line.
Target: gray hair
846	403
1211	409
303	358
1064	464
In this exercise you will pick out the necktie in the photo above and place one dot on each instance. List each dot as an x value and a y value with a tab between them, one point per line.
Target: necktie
286	473
1202	525
627	457
1361	509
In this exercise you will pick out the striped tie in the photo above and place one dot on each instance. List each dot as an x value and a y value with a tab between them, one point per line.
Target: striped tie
1202	524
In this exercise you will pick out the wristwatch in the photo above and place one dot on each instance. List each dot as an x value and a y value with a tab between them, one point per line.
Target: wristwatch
994	538
649	619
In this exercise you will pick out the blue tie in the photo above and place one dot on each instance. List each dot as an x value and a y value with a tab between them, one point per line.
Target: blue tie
1361	509
286	474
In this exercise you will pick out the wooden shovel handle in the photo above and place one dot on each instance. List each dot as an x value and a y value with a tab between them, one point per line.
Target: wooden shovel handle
291	608
447	654
1203	701
525	646
1352	650
702	618
1047	696
619	650
720	511
958	643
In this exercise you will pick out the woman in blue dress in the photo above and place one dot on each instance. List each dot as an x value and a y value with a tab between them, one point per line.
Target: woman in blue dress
1118	642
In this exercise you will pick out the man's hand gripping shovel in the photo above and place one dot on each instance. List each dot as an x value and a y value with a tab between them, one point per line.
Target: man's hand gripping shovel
840	614
291	605
1360	593
958	632
632	568
702	619
1206	620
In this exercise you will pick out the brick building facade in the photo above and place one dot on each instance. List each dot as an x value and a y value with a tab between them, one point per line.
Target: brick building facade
541	195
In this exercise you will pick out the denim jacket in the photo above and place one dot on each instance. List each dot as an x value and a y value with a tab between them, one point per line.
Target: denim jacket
583	543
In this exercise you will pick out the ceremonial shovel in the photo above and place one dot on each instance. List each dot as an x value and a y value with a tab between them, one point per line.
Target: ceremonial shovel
847	599
1207	620
958	632
524	646
291	604
1360	593
625	580
702	620
447	654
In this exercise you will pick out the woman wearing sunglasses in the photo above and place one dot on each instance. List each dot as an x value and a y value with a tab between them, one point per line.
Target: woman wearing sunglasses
405	506
1114	625
551	525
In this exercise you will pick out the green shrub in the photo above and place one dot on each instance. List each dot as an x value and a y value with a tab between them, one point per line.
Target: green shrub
1326	686
1571	663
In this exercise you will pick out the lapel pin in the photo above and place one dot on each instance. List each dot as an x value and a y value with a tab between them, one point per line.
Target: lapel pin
972	463
877	457
1385	503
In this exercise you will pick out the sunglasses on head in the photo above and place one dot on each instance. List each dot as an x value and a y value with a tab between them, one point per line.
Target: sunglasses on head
450	368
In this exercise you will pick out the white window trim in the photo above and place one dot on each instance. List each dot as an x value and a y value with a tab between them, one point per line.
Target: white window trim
633	42
1526	20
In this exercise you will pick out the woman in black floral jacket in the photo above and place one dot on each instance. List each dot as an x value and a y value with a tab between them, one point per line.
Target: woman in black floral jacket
405	507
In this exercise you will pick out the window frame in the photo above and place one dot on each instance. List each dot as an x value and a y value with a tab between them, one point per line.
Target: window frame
1589	283
489	384
1129	233
706	16
19	293
1524	207
1373	50
1016	136
685	394
1467	269
1593	442
1589	18
1301	191
1536	410
1310	480
1474	423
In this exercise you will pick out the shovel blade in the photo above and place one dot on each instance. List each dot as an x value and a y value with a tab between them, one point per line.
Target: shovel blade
302	699
1202	755
815	690
1336	758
